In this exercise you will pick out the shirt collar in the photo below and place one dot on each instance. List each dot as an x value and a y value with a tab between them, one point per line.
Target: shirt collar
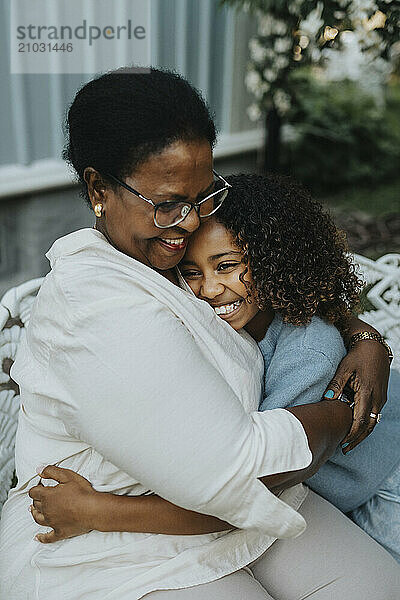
74	242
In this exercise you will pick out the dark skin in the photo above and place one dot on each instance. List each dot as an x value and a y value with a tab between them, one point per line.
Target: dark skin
183	171
366	368
74	507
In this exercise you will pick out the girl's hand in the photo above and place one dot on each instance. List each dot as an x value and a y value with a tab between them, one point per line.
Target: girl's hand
66	507
365	370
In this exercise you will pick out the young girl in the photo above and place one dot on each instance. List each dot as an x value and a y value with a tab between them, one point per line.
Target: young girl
272	262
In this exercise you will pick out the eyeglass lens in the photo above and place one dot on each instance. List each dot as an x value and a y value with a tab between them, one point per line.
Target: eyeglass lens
171	213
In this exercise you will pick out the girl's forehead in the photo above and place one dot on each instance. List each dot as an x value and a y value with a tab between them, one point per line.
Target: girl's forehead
210	239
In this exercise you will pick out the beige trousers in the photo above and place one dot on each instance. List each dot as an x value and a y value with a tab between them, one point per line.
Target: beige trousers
332	560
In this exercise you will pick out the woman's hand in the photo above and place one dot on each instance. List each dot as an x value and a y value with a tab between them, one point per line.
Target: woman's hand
365	370
66	507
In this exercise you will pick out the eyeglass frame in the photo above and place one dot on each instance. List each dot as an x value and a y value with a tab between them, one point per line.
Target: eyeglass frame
195	205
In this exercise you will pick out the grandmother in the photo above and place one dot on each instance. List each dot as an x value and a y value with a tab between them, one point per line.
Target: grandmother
128	380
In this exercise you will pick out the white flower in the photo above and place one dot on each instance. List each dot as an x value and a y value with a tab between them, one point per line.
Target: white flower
268	25
304	41
270	53
279	27
395	50
315	54
283	44
265	24
339	14
261	90
269	74
294	6
282	102
367	5
313	23
281	62
372	38
253	81
254	112
257	52
265	87
361	10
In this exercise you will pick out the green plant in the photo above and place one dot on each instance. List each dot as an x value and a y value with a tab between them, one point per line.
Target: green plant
294	34
342	137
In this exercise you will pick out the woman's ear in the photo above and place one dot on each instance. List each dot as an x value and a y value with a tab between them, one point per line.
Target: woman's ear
96	186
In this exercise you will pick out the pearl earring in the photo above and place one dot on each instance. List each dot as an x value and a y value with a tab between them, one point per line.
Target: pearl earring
98	210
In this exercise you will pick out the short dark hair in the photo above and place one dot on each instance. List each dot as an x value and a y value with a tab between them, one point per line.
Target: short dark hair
298	258
119	119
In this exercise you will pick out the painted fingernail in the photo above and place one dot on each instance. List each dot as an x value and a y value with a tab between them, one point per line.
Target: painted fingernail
329	394
36	539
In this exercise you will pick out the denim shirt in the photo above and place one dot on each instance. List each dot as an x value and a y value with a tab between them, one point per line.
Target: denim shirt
299	363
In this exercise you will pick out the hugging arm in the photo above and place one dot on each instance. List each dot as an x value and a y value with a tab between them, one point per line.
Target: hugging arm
74	507
214	460
366	370
87	509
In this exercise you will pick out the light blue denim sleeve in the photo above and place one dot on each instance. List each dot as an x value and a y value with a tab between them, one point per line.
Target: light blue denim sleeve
298	373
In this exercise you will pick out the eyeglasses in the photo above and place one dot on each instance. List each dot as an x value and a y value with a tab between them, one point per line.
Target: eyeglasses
169	214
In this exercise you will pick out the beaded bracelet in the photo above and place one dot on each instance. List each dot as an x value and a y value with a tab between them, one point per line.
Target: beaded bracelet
369	335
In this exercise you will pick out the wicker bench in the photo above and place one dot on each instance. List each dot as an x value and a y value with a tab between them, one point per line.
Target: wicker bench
382	278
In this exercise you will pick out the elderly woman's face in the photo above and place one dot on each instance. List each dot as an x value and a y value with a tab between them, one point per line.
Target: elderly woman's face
182	171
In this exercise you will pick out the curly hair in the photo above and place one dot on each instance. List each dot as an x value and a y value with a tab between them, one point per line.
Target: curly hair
119	119
298	259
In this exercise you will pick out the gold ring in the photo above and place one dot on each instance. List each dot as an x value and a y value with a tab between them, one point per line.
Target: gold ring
375	416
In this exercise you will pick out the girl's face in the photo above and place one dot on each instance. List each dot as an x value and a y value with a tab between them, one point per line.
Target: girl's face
212	266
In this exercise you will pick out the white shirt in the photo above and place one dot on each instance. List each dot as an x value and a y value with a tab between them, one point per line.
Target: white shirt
141	387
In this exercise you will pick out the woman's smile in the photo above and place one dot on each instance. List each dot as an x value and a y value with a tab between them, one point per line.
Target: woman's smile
174	245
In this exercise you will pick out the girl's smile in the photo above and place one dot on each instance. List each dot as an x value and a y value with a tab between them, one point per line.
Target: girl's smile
228	310
214	268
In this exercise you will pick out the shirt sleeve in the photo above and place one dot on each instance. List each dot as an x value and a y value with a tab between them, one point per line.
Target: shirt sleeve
141	391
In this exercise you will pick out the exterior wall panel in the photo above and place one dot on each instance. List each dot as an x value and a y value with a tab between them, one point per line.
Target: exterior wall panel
38	200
